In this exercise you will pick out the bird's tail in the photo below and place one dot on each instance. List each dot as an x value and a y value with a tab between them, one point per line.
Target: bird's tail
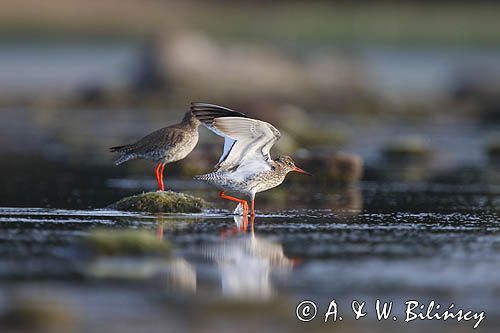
120	149
124	158
125	152
208	177
201	177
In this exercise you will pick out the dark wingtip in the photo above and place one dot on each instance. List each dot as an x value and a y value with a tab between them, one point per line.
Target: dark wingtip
116	148
204	111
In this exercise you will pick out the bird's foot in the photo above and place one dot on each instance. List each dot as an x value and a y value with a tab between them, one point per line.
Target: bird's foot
238	210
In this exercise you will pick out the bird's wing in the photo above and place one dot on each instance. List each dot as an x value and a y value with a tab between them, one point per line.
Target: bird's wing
254	138
162	139
246	140
206	113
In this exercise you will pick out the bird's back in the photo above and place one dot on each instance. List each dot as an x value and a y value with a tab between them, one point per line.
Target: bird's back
168	144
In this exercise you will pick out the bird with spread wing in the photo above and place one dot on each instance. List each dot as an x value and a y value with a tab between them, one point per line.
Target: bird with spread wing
245	166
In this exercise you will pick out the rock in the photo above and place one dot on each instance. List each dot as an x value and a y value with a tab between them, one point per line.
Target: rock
161	202
126	243
327	166
406	160
493	152
407	150
36	314
476	90
491	174
345	167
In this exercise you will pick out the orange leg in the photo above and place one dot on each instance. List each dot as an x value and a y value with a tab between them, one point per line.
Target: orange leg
159	230
252	211
241	201
157	174
161	177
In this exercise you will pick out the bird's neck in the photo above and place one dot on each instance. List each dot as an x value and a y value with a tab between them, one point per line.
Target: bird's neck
190	121
278	167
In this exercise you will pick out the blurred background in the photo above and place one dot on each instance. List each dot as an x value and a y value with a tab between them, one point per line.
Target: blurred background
385	82
393	105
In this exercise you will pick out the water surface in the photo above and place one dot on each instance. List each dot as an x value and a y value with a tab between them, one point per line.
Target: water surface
398	242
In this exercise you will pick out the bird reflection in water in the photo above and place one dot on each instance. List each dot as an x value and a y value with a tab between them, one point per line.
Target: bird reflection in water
247	263
159	228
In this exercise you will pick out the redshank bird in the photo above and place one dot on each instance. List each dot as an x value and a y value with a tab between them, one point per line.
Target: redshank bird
245	167
166	145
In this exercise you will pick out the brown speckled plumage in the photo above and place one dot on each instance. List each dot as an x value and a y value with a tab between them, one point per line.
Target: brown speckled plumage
166	145
245	167
252	183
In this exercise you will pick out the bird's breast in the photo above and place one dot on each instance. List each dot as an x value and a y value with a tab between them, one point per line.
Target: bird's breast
265	180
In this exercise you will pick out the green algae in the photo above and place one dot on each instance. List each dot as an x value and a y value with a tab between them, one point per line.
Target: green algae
126	243
161	202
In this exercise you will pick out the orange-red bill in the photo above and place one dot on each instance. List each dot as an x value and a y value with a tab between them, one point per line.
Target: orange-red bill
302	171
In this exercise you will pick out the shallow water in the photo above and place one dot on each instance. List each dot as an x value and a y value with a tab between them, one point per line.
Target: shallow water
397	242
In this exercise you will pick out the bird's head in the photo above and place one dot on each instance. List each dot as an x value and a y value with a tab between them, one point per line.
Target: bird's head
288	165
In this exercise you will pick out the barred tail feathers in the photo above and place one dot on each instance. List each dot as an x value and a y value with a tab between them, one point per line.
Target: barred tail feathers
124	158
125	152
204	177
209	177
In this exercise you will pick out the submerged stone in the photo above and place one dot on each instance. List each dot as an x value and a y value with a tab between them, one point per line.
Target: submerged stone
341	168
126	243
38	314
161	202
345	168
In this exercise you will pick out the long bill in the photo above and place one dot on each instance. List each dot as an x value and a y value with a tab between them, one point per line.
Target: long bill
299	170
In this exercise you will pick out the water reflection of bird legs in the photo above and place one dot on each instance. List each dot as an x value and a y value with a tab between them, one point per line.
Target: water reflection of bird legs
159	230
249	264
241	222
239	201
160	222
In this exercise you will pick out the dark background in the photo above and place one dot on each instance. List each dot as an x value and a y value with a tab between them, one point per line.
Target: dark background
410	88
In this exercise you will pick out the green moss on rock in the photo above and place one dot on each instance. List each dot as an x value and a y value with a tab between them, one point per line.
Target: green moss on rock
38	314
126	242
161	202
